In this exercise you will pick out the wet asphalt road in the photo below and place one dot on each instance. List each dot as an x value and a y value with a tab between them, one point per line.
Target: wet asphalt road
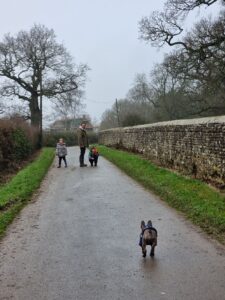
79	240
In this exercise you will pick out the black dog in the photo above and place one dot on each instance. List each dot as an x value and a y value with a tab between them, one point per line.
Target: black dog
148	237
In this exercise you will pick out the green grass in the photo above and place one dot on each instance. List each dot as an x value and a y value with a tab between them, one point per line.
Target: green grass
198	201
20	189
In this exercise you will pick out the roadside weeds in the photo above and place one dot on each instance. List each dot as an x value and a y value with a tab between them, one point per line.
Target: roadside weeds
17	192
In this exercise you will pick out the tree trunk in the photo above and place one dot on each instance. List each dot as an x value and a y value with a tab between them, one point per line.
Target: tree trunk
36	117
35	112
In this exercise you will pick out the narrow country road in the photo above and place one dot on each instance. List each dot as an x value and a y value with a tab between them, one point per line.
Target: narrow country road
79	240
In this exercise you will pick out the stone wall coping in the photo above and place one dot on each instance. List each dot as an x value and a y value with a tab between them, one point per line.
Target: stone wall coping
183	122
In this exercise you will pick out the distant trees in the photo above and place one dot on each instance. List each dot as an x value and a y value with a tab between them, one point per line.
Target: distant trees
127	113
190	81
34	64
199	59
69	104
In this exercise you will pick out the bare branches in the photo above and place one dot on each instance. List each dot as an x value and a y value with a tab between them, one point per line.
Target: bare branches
164	27
34	58
185	6
35	55
68	105
141	91
10	91
160	28
190	81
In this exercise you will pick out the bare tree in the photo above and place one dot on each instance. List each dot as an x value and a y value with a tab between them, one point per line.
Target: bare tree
131	112
185	6
141	91
68	105
201	82
33	64
169	93
19	110
198	62
166	27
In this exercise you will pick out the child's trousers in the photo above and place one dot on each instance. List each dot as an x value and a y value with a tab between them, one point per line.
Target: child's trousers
60	160
94	161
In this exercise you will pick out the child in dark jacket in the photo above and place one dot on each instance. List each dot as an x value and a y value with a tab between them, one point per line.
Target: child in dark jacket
93	156
61	152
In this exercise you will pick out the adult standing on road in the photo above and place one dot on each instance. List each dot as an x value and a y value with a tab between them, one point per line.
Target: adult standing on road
82	142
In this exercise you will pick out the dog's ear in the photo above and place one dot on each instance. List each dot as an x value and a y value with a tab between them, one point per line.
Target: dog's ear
149	223
142	224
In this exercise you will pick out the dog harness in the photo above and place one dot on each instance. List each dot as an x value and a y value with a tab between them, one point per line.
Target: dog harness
149	228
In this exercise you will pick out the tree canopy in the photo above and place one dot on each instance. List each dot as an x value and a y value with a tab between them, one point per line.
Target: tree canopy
190	81
34	64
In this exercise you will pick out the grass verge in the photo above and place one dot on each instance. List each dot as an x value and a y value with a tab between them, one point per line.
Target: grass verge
15	194
198	201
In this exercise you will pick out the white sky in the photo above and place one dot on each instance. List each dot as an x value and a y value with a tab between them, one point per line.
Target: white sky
101	33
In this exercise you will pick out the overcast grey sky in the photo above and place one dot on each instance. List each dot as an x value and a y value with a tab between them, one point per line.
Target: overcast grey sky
101	33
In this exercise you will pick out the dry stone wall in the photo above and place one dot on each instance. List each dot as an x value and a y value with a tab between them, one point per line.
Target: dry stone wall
195	146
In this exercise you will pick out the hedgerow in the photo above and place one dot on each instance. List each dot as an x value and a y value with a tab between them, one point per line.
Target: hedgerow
18	140
70	138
